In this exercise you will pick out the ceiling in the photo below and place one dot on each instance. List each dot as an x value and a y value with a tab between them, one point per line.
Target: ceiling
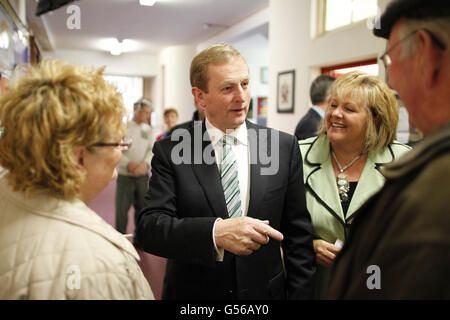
167	23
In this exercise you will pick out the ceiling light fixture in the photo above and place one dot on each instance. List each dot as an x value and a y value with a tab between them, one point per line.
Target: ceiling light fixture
119	45
117	48
213	25
147	2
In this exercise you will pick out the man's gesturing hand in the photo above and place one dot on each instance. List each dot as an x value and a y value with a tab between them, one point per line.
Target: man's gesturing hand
243	235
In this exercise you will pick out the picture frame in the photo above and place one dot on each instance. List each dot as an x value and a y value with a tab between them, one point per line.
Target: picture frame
286	91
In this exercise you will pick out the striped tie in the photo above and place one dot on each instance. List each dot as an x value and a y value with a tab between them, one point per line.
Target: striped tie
230	180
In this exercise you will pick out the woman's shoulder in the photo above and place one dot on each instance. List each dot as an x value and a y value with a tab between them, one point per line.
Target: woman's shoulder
308	141
314	149
399	148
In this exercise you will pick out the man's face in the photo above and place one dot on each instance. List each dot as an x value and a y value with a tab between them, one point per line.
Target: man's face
403	76
228	98
143	116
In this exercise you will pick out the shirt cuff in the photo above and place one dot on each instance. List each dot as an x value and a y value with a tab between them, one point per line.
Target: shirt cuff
219	251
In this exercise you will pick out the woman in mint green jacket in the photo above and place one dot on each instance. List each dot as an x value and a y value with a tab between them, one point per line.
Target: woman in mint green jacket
341	165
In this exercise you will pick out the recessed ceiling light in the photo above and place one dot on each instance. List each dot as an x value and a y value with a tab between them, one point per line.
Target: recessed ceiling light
147	2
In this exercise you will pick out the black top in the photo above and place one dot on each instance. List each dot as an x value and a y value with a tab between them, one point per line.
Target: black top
345	204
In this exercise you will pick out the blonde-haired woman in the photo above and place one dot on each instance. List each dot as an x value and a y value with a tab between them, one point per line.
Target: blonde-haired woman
61	141
341	165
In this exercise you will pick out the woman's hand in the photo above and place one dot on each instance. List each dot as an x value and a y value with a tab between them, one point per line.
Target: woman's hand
325	252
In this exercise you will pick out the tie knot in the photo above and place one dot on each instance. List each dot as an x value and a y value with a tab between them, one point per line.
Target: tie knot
229	140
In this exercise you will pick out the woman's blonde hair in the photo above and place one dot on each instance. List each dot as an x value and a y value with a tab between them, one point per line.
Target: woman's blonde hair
49	111
379	100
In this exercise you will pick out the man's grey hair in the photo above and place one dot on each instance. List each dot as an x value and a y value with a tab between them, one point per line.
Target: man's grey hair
138	105
440	28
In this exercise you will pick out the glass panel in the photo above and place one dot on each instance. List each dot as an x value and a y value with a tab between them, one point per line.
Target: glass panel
338	13
131	88
363	9
371	69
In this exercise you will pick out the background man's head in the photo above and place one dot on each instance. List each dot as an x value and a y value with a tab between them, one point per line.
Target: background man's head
142	111
320	89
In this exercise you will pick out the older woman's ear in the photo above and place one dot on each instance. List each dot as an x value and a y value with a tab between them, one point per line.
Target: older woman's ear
79	155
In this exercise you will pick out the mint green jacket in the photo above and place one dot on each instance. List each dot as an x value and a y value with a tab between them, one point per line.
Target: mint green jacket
322	196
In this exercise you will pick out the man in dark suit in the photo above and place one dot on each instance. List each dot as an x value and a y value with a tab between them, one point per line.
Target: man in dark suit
218	210
319	93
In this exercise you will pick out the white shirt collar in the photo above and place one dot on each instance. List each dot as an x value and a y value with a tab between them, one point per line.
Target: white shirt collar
240	133
319	111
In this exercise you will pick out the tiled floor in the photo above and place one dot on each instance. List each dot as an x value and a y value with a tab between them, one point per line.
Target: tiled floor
152	266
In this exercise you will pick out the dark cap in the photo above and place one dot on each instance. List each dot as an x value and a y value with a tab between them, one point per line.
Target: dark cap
410	9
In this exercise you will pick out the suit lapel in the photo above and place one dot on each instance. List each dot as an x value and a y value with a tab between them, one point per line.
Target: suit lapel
371	179
319	177
322	183
257	181
207	174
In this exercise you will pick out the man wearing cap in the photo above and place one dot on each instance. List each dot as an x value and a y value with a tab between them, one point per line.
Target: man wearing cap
399	243
132	181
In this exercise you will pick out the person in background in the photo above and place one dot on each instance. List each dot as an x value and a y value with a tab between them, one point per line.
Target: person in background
217	215
319	93
198	115
132	182
341	166
170	119
399	243
69	141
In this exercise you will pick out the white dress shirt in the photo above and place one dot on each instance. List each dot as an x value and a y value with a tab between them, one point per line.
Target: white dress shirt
141	147
319	110
242	153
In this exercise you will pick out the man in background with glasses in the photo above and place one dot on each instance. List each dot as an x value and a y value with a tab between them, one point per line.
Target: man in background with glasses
132	181
399	243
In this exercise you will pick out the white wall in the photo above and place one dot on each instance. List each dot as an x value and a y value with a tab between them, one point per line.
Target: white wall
239	30
255	50
291	47
177	87
127	64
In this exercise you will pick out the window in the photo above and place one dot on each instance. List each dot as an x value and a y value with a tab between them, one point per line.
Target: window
333	14
367	66
131	88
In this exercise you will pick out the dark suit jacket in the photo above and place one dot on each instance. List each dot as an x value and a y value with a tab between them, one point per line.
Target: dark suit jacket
308	125
184	200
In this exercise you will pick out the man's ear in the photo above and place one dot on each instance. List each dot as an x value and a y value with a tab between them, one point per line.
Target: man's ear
199	96
79	155
430	58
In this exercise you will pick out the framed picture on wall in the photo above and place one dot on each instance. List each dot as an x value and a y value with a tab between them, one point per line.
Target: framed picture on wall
285	91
